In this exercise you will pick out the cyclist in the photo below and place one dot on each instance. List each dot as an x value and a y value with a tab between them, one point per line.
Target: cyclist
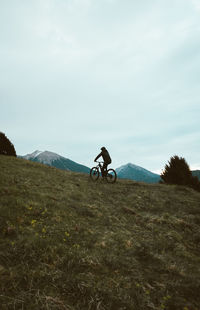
107	160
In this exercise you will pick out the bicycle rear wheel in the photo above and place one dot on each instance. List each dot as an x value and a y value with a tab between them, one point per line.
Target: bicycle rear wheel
111	176
94	174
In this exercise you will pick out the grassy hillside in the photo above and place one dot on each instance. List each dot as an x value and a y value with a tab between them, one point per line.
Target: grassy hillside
66	243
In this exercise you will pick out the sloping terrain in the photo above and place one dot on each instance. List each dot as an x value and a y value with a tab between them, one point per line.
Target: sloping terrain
67	243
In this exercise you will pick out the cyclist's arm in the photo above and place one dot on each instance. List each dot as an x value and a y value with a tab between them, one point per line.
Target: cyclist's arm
98	156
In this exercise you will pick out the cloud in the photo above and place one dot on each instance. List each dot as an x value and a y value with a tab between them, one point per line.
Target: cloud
124	73
196	4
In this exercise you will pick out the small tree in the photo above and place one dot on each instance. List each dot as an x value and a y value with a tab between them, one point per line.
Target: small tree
177	171
6	147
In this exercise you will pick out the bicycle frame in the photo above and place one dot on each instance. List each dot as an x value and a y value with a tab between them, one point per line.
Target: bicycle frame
100	165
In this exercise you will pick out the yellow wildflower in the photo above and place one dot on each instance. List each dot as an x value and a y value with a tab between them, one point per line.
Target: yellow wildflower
33	222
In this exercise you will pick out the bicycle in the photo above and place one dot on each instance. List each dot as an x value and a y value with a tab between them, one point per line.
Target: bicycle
95	172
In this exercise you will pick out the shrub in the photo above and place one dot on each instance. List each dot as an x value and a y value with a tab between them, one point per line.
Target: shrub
195	183
177	171
6	147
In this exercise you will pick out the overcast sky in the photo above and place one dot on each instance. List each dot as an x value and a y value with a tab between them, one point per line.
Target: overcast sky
76	75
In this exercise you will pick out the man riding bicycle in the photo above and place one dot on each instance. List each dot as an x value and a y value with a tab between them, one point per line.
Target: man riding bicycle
107	160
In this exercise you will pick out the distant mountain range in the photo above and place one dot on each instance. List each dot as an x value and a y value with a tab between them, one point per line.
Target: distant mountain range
196	173
128	171
55	160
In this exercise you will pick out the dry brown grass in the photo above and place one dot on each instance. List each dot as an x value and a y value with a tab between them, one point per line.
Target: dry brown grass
68	243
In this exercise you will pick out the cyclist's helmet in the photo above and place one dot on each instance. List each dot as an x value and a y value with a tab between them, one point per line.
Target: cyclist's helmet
103	148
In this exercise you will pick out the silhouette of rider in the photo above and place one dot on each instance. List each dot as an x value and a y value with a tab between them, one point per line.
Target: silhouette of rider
107	160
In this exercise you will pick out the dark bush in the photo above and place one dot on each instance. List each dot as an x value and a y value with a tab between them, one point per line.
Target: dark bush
195	183
177	171
6	147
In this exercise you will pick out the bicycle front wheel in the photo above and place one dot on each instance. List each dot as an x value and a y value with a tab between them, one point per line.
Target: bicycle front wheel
111	176
94	174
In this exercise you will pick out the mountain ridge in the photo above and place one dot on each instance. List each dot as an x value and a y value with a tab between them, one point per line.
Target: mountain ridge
133	172
128	171
56	160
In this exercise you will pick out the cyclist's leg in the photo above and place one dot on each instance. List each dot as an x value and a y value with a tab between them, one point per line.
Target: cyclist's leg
104	169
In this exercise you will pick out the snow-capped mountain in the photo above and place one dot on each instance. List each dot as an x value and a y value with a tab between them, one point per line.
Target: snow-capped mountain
55	160
32	155
45	157
137	173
